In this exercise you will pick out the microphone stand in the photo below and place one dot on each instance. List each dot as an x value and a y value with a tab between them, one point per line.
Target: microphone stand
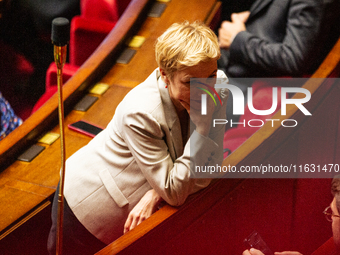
60	59
60	36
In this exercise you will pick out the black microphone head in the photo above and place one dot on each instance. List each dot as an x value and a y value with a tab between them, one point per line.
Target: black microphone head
60	34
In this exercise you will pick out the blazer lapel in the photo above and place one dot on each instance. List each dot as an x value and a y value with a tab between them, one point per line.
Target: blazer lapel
174	137
258	6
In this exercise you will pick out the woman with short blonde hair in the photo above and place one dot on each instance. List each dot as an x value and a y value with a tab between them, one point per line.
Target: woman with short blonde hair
178	46
144	154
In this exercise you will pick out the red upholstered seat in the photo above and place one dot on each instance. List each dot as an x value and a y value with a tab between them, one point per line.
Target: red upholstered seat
87	31
86	35
15	72
49	93
51	75
262	100
90	28
100	10
234	137
51	82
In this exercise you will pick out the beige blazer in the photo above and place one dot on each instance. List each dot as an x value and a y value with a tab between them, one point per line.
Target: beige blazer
140	149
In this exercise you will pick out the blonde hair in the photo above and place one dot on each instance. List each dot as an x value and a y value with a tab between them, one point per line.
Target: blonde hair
184	45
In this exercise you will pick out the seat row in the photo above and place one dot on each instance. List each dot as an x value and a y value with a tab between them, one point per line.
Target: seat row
87	31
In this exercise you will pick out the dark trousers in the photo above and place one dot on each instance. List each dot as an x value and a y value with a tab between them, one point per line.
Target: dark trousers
76	238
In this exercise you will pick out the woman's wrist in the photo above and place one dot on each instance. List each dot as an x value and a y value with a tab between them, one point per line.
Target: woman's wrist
203	129
155	197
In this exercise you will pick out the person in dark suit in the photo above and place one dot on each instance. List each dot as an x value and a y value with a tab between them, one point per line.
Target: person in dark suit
274	38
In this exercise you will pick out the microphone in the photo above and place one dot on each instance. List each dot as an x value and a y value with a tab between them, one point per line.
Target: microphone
60	36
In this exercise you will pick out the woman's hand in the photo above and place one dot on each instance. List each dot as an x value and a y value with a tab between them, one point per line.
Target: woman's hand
203	122
143	210
253	251
288	253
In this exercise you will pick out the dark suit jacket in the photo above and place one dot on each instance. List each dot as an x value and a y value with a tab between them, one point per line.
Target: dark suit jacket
279	41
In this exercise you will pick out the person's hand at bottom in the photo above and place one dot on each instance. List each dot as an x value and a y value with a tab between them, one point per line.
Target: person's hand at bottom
143	210
288	253
253	251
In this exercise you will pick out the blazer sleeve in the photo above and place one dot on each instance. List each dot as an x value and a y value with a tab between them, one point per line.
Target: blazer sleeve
289	56
205	163
145	139
172	180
